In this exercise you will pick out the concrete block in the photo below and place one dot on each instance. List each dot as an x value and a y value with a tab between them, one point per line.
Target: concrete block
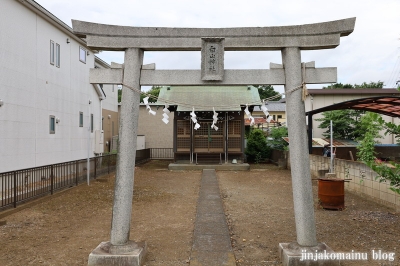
391	198
341	175
291	254
375	193
102	255
369	191
330	175
397	202
322	172
367	183
375	185
383	196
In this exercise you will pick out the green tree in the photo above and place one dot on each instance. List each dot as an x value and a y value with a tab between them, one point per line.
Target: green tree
370	124
346	124
267	91
393	129
119	94
386	173
257	149
275	136
339	86
154	91
372	85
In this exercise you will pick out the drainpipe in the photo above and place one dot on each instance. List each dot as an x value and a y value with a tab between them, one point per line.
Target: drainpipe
101	118
88	141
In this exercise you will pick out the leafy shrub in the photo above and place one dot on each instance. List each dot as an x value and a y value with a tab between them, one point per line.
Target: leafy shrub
257	149
370	124
386	173
275	138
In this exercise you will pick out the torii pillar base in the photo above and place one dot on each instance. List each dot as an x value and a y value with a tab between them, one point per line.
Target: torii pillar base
106	254
292	254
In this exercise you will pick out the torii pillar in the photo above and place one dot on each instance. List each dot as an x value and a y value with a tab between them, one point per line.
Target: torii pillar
290	40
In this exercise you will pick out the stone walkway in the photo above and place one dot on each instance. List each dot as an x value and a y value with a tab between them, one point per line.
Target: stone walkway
211	245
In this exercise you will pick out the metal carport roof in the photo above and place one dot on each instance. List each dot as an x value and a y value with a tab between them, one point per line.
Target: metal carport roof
386	105
380	104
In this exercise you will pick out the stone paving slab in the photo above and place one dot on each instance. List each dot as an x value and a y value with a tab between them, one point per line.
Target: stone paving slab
212	258
211	244
208	207
210	229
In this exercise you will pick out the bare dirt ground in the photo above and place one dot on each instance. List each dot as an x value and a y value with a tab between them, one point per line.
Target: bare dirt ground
258	204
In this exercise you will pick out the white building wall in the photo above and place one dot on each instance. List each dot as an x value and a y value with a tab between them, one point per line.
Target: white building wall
32	89
112	97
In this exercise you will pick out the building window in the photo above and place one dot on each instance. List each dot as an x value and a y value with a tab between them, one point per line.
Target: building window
91	123
82	54
279	116
273	117
52	124
81	119
51	52
57	55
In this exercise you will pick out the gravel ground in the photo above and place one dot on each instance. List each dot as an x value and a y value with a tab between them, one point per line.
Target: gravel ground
258	204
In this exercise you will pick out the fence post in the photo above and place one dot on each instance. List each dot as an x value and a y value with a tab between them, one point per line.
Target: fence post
95	166
108	163
51	179
15	189
76	172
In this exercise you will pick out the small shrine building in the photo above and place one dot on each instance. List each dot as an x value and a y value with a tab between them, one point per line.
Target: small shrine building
207	143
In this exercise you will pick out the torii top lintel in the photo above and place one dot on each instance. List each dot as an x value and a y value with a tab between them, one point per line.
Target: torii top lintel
316	36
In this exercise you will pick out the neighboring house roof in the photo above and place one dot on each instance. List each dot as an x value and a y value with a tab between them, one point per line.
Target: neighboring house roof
273	106
352	91
257	120
101	62
204	98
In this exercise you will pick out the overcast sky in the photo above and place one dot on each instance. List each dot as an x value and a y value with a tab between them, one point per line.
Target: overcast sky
370	53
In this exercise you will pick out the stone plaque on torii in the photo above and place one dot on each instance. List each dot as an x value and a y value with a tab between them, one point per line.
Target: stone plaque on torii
212	42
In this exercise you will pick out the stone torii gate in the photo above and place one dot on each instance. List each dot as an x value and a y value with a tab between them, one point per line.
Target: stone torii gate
212	42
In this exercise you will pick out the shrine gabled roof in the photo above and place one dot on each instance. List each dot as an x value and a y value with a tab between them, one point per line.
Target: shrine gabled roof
386	105
204	98
273	106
